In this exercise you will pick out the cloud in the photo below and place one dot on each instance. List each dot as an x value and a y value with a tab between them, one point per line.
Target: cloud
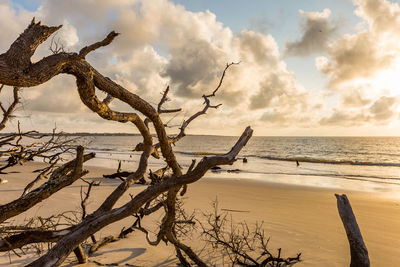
140	71
383	108
362	67
316	31
258	48
345	118
354	97
162	43
193	65
354	57
197	48
67	35
13	21
382	15
381	111
59	95
370	50
273	90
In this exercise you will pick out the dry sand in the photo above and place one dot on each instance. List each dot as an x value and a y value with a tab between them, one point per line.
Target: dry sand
298	219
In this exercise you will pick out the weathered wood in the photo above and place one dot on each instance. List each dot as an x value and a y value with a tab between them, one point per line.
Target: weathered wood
80	254
16	69
7	113
65	246
358	250
32	236
57	181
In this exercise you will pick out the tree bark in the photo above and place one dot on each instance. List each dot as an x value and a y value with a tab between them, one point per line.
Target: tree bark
16	69
54	184
80	254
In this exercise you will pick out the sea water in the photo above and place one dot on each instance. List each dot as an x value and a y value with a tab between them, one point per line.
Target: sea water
354	163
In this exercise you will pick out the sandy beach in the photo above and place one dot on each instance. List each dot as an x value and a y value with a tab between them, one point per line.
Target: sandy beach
297	218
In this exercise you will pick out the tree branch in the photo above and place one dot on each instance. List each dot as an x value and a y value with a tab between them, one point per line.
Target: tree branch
162	101
57	181
64	247
87	49
7	113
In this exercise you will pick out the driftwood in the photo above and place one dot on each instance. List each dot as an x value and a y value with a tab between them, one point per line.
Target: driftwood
122	175
60	178
358	250
17	70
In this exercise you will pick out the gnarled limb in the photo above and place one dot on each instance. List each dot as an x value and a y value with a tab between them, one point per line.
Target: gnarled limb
18	56
87	49
24	73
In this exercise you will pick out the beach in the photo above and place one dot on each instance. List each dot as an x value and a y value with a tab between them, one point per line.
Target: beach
298	219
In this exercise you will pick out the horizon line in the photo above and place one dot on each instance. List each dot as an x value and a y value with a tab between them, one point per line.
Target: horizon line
138	134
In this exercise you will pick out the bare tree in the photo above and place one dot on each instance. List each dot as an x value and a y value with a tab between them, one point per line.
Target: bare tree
17	70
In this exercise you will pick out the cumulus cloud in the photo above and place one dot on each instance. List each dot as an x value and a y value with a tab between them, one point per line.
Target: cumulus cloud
370	50
193	65
345	118
198	47
379	112
59	95
67	35
272	90
353	57
162	43
316	31
13	21
382	15
383	108
355	97
362	67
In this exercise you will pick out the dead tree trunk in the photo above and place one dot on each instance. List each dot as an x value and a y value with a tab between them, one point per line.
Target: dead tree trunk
358	250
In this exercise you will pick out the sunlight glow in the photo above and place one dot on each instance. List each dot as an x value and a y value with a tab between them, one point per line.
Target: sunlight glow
388	81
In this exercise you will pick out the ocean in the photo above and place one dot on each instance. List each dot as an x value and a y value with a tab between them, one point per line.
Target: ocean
350	163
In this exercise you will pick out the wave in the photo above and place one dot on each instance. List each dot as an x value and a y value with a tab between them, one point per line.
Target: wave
199	153
109	150
100	149
329	161
366	178
301	159
267	157
349	176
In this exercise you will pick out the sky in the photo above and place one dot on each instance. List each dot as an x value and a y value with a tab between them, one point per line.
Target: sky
307	67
